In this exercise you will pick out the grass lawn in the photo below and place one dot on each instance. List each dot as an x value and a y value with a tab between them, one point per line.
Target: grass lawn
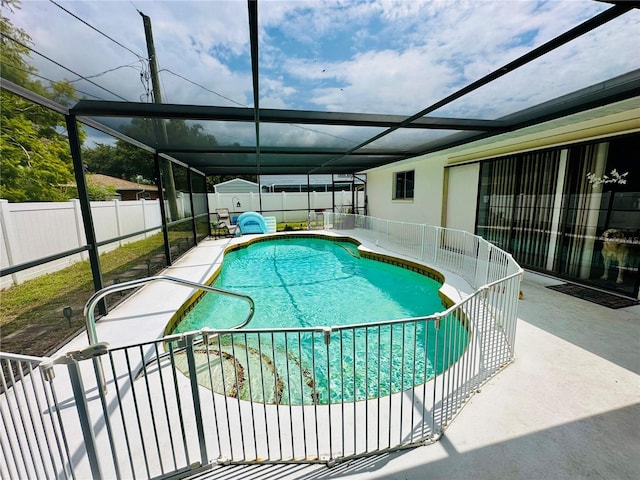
31	314
298	226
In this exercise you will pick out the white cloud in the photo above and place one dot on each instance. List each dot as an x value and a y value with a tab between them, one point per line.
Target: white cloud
378	56
182	36
381	82
593	58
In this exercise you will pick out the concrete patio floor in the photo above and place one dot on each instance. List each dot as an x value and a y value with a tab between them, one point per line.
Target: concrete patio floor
566	408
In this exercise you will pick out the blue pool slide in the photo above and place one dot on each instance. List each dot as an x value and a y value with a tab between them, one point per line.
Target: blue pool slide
252	222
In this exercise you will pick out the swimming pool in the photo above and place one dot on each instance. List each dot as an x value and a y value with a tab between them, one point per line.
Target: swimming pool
299	284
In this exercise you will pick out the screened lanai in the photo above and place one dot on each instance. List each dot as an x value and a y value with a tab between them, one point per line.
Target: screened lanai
182	94
264	88
260	135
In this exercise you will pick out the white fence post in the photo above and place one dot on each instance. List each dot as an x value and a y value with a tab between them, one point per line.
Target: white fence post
11	243
116	206
284	207
79	225
144	216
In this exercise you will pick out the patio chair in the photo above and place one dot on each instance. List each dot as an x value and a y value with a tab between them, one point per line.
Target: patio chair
221	227
223	214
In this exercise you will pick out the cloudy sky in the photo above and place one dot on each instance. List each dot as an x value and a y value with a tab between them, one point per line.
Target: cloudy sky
379	56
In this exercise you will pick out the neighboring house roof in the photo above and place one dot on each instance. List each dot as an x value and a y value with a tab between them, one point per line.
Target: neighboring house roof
118	183
236	181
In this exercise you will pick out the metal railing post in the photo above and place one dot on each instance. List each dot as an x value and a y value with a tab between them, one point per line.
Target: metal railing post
326	331
195	392
72	359
85	422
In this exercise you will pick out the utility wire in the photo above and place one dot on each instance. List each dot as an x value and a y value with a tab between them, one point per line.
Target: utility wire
94	28
137	10
165	97
351	140
130	65
143	76
246	106
47	79
144	73
202	86
61	66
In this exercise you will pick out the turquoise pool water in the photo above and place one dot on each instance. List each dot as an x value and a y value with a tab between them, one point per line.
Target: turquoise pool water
312	282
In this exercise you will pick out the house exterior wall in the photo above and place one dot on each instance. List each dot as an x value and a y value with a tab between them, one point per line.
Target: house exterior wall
430	205
461	196
426	206
285	206
237	188
537	199
134	195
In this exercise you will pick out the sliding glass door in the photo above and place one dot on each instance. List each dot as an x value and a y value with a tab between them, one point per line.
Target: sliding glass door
516	204
573	212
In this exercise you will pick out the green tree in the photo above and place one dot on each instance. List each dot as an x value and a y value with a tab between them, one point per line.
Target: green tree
121	160
35	161
12	53
34	167
124	160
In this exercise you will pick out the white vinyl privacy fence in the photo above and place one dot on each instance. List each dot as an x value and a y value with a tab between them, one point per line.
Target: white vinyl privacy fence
31	231
287	206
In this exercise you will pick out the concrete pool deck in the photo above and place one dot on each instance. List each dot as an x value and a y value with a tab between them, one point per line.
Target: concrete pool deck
566	408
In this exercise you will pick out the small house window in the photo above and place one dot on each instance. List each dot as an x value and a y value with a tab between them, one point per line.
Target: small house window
403	185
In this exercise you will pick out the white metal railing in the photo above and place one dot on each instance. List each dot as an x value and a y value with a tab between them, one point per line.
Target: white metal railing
281	395
89	309
33	437
465	254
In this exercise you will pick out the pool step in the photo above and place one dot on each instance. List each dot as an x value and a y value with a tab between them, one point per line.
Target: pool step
244	372
271	224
